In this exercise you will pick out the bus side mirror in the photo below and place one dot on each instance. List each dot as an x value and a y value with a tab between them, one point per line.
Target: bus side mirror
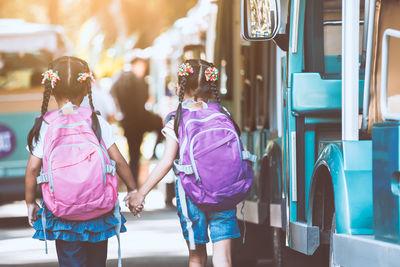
260	20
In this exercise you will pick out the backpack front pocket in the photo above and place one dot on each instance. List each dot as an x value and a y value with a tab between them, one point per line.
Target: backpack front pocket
216	158
74	173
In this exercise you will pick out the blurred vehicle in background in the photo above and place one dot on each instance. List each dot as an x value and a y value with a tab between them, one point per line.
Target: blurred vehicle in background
25	50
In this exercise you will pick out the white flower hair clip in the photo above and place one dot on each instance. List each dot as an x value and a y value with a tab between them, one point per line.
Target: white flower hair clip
51	76
83	76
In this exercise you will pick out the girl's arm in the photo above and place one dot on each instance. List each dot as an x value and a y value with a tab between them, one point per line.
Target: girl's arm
32	171
123	170
162	168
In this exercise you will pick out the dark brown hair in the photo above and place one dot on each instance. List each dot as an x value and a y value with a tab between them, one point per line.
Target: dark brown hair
69	87
195	84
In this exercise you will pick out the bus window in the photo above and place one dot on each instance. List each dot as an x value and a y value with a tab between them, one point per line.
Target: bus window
261	86
323	36
21	71
247	99
260	115
255	86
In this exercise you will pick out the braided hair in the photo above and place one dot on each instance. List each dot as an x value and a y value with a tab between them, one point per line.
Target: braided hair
195	84
68	69
214	89
95	121
34	132
178	114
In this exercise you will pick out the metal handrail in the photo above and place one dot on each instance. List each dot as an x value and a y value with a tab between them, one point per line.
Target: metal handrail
384	76
368	64
350	69
295	23
337	22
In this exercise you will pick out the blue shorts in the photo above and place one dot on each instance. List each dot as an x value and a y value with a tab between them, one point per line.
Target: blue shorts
223	224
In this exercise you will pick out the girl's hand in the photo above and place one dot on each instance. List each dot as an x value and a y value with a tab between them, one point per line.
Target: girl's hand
32	171
128	195
135	202
33	209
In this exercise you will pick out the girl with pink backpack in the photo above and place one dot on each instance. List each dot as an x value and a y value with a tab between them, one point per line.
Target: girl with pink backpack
75	160
213	170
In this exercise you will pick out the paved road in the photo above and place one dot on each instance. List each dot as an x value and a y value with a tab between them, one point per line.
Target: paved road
153	240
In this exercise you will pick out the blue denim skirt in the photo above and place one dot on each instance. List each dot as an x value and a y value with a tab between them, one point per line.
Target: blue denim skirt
94	230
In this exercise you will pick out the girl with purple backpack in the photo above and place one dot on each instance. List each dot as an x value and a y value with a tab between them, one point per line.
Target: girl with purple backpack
74	158
214	174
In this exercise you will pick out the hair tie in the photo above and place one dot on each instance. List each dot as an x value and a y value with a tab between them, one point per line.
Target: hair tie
185	69
51	76
83	76
211	74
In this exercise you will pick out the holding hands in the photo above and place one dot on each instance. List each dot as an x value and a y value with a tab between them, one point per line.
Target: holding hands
134	200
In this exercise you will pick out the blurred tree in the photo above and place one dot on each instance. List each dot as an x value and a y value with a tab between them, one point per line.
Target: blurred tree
152	17
30	10
53	10
116	20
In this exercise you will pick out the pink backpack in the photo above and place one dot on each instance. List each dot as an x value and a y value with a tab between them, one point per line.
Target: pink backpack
78	177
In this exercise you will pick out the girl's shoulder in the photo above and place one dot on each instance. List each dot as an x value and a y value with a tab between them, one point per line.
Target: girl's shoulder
170	116
107	132
38	146
169	129
103	123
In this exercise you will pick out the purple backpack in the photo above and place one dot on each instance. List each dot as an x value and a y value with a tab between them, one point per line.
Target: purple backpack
215	171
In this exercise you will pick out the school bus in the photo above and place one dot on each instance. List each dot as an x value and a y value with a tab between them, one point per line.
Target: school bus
25	51
314	86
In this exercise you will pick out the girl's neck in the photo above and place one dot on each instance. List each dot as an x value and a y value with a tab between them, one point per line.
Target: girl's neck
199	99
63	101
196	104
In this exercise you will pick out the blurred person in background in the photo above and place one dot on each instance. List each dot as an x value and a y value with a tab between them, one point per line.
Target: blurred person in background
131	93
103	102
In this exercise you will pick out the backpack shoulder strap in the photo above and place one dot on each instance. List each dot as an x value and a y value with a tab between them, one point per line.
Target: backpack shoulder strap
85	112
213	105
50	116
170	116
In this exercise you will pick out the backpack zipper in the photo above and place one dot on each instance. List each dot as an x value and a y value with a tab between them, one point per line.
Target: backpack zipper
191	154
72	125
75	145
204	119
184	143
